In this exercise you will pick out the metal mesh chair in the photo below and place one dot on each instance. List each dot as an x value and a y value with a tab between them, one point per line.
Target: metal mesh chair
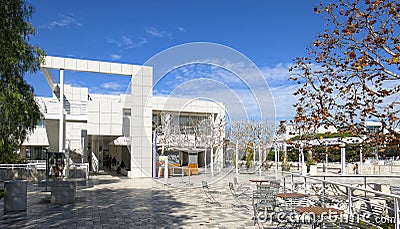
209	194
238	186
289	216
237	202
263	202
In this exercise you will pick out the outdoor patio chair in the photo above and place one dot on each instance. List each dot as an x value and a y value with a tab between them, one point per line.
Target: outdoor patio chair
288	213
297	186
209	194
263	204
270	177
237	202
269	188
291	203
238	186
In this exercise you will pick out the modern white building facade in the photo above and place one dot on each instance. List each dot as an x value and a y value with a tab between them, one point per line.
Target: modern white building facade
98	125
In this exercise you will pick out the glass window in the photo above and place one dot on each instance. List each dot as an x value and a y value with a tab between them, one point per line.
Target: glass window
184	120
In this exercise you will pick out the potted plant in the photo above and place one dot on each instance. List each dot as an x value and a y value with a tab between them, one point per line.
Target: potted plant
285	165
249	159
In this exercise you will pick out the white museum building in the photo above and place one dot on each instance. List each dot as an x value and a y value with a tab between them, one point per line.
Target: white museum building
133	128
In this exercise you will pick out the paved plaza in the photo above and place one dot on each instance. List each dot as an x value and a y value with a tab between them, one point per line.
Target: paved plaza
114	201
118	202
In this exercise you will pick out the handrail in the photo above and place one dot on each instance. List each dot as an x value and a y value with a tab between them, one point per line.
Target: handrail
395	198
344	185
95	163
358	176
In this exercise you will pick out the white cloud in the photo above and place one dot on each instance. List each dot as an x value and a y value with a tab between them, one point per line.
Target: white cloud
284	100
126	42
153	32
247	91
181	29
115	86
97	90
63	21
115	57
276	75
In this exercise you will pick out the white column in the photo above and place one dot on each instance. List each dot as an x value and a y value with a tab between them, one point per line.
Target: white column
303	165
343	158
205	159
237	157
285	150
61	124
166	175
276	158
259	158
277	164
155	153
361	161
212	161
300	165
264	153
326	163
254	154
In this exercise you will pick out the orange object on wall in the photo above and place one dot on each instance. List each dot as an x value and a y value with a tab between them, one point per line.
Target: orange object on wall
194	169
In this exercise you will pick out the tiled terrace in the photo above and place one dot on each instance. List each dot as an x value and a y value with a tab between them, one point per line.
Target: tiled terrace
117	202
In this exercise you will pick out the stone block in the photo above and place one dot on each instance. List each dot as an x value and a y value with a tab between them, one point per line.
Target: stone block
15	195
63	192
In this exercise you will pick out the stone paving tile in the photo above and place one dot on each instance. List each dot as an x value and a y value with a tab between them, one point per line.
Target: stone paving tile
129	203
116	202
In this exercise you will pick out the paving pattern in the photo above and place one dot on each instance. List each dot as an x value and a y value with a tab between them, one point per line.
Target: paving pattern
113	201
116	202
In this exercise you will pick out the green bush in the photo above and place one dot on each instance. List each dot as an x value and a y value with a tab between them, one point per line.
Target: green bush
249	159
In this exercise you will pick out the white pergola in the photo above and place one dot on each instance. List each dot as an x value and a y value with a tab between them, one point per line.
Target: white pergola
341	142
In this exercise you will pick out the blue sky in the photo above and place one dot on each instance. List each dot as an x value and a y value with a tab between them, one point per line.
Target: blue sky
270	33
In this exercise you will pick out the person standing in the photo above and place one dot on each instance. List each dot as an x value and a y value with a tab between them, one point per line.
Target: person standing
113	163
355	168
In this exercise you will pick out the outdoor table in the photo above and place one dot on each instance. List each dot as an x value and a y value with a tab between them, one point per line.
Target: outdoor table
318	212
260	182
290	195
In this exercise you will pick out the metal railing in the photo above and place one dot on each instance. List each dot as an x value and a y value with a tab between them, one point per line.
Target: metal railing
360	203
95	163
16	166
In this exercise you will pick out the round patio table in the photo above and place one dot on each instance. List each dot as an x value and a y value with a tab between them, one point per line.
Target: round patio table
318	212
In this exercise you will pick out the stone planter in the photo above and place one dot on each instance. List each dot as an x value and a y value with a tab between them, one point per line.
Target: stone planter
63	192
286	167
313	170
304	170
15	195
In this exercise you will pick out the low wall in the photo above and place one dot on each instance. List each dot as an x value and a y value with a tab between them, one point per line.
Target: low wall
78	173
30	173
21	174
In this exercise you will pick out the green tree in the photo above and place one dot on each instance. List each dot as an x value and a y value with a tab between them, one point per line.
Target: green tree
19	112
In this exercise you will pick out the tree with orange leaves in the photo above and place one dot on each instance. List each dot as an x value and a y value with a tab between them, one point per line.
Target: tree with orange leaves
351	71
